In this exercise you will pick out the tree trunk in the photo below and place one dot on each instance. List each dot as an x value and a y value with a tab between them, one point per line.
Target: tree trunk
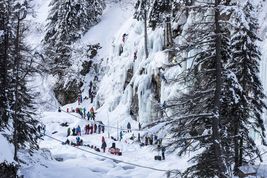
241	151
3	61
16	91
145	30
236	146
217	103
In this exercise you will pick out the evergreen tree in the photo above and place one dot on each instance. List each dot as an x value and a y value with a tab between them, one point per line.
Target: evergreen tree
25	125
197	120
67	21
246	107
222	84
156	10
17	67
5	35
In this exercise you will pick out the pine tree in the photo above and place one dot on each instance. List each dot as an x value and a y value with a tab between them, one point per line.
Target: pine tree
5	35
197	119
247	104
68	21
18	66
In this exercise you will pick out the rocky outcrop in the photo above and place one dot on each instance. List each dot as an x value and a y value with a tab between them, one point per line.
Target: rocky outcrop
134	108
86	66
69	93
129	76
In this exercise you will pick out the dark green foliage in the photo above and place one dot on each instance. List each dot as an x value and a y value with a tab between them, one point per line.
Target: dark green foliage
5	64
68	21
157	10
16	66
240	92
8	170
246	105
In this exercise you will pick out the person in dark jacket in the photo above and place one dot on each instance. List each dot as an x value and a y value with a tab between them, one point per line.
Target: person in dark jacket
163	153
121	135
88	115
129	127
151	140
78	130
99	128
104	144
68	132
146	140
95	127
78	139
73	131
103	128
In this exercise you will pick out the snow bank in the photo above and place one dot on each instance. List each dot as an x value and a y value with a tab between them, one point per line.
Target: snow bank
6	151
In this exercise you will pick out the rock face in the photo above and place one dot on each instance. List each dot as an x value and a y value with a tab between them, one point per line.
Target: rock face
134	108
8	170
86	66
129	76
69	93
92	50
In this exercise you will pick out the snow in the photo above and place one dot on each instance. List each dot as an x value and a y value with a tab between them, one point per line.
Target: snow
6	151
83	164
114	101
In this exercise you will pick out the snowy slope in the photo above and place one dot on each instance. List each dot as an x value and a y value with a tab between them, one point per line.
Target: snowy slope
79	163
83	164
6	151
115	100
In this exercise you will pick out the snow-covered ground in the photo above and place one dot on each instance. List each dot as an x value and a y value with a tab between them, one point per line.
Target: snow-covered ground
76	162
114	112
6	151
84	164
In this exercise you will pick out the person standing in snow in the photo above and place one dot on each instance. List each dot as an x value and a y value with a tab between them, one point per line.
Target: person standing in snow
121	134
139	126
84	113
120	49
146	140
88	115
59	110
95	127
78	139
78	130
92	128
135	55
92	113
103	128
68	132
73	131
91	96
163	153
104	144
151	140
81	112
129	127
99	128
